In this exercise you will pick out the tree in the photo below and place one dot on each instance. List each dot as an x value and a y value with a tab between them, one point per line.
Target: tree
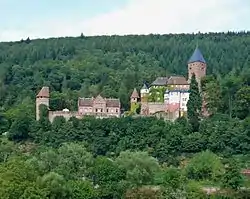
20	128
242	102
16	177
204	165
212	95
82	189
139	166
6	149
4	124
194	104
108	176
74	161
44	118
172	181
55	186
232	177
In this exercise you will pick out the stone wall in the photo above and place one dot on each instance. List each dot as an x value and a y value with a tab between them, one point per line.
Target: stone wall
155	107
65	114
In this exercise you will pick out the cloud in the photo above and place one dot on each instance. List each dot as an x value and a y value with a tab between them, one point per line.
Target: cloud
145	17
169	16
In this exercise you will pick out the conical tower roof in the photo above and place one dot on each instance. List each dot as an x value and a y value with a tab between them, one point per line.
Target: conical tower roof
197	56
44	92
134	94
144	86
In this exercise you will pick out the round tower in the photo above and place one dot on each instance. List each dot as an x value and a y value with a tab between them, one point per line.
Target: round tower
144	100
197	65
144	93
42	98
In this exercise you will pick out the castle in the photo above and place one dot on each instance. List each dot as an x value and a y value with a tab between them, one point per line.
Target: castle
165	95
169	95
98	107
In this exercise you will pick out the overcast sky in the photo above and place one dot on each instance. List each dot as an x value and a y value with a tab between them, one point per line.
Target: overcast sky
53	18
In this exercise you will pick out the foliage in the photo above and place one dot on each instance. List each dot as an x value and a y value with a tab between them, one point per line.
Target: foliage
232	177
204	165
194	104
156	94
140	167
126	157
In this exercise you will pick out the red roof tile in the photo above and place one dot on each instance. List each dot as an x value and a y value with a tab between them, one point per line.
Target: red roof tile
89	102
44	92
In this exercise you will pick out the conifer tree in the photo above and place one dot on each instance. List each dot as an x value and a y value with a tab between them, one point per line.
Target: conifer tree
194	104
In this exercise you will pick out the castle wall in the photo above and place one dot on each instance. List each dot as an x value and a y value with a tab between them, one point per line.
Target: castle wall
40	101
197	68
96	110
66	115
156	107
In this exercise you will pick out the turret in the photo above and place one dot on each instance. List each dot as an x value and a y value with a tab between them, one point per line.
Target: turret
42	98
134	101
197	65
144	93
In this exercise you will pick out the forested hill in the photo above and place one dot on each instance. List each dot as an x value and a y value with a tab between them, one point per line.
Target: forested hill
128	157
112	65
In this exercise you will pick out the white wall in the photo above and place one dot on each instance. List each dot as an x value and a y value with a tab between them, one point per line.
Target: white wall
177	97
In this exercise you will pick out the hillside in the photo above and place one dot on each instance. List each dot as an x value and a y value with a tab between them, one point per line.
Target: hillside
113	65
123	158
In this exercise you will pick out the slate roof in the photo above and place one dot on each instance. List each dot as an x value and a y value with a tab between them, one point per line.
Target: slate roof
44	92
160	81
144	86
134	94
172	80
177	80
89	102
85	102
113	102
197	57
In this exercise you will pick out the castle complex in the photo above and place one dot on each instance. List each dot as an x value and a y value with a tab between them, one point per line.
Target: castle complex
98	107
166	95
169	95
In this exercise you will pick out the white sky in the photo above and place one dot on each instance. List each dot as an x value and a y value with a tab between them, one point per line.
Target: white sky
143	17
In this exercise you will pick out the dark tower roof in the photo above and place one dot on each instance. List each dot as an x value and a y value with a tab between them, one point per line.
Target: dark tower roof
144	86
197	56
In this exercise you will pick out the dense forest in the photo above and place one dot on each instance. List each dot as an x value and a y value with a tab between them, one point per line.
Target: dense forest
127	157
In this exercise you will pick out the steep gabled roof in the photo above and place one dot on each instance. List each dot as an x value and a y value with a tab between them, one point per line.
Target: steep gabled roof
134	94
89	102
177	80
197	56
85	101
160	81
44	92
113	102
